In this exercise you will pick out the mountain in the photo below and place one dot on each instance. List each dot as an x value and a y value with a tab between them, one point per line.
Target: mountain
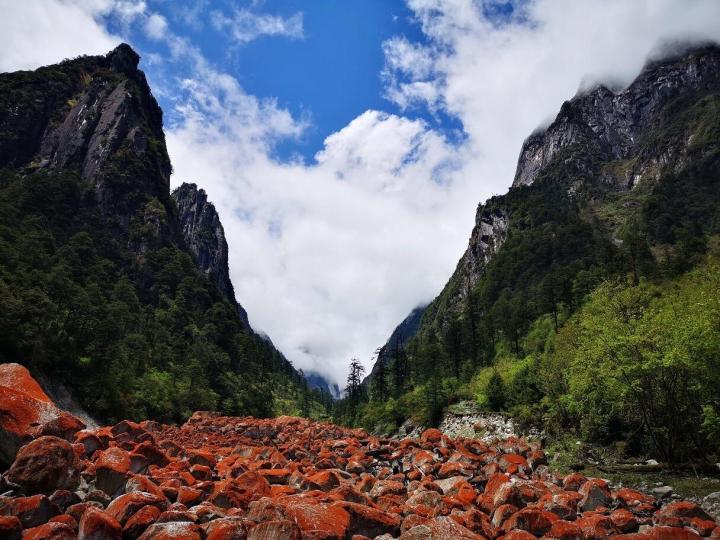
396	342
205	237
613	207
110	285
318	382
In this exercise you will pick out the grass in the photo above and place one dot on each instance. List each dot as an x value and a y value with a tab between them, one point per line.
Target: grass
573	457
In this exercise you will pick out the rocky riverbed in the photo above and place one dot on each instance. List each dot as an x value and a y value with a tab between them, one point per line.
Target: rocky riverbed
218	477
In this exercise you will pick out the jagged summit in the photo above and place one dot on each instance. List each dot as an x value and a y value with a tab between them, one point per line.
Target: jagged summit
124	58
205	236
611	123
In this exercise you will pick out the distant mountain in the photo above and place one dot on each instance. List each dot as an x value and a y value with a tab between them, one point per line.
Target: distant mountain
318	382
622	187
108	283
396	342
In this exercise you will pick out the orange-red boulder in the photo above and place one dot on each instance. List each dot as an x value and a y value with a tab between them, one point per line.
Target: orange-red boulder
97	525
45	465
26	412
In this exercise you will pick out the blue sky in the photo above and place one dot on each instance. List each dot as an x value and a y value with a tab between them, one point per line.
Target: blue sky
328	76
346	144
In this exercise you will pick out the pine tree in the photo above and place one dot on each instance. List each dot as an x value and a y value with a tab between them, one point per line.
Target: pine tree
353	389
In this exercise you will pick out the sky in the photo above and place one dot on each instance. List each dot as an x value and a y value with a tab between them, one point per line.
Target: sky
346	144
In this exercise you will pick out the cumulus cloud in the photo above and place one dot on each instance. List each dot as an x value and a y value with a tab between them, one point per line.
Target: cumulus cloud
504	76
156	26
39	32
245	25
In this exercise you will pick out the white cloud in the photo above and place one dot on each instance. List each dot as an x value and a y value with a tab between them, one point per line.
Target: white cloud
245	26
40	32
503	80
156	26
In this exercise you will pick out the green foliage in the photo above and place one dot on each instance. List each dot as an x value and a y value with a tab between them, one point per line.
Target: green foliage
495	394
138	337
598	314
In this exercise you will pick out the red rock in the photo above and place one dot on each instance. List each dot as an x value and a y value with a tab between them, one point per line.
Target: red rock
201	457
112	468
153	454
323	480
475	520
126	505
90	442
189	496
501	514
44	465
140	521
517	493
97	525
32	511
533	520
624	520
595	494
512	463
441	528
240	491
318	517
573	482
673	533
26	412
172	531
679	514
596	526
10	528
226	529
201	472
66	519
275	530
369	521
431	436
564	530
50	531
139	482
517	535
631	498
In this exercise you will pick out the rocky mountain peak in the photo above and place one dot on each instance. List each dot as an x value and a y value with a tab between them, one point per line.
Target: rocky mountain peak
90	115
205	237
124	59
610	123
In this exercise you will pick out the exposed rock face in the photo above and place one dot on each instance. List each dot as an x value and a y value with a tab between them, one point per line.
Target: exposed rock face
317	381
612	124
205	236
608	138
400	336
95	111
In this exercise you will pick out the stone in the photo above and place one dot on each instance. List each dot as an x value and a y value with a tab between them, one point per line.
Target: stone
595	494
50	531
45	465
275	530
26	412
97	525
172	531
10	528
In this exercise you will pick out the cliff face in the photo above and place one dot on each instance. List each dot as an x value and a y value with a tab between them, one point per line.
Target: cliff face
568	203
398	339
205	237
104	274
613	125
93	115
